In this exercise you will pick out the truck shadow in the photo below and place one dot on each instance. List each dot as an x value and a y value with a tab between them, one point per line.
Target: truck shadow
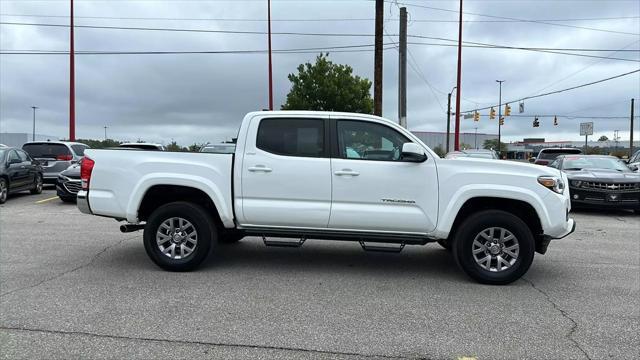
335	257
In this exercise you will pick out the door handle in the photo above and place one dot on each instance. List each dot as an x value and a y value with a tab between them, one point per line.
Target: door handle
259	168
346	172
22	166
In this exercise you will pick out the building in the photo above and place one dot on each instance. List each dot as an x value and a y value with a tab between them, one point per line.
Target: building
19	139
439	139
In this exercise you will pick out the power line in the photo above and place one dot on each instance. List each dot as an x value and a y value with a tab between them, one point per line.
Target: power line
559	91
516	19
484	45
312	19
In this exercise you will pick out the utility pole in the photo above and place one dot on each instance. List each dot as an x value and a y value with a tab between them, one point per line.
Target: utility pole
616	138
499	116
33	134
631	132
72	82
270	62
105	132
475	138
449	118
402	76
377	60
456	142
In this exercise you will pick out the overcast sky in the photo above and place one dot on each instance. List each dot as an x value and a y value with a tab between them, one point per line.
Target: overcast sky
203	97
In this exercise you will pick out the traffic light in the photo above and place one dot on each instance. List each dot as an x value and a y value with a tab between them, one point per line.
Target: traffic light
555	121
536	122
492	113
507	110
502	121
476	116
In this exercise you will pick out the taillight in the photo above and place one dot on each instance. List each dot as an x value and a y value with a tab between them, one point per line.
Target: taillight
86	168
64	157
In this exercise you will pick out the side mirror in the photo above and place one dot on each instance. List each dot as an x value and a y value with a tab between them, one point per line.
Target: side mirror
532	159
413	153
633	167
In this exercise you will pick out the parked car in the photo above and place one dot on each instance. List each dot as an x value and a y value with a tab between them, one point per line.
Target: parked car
219	148
472	153
291	177
546	156
69	183
144	146
600	181
55	156
634	161
18	172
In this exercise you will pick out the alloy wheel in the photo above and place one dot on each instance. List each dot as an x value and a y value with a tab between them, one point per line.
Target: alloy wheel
177	238
495	249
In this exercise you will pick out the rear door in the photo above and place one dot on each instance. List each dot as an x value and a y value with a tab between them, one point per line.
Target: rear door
29	166
286	173
373	189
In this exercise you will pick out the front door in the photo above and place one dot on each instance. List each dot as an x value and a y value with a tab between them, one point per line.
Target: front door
373	189
286	173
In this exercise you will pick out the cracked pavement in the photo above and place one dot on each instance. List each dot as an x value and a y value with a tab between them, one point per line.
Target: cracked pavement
73	286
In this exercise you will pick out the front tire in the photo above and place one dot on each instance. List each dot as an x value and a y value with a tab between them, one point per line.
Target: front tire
494	247
4	190
179	236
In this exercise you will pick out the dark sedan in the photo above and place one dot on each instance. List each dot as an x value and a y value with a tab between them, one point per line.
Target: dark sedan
69	183
18	172
600	181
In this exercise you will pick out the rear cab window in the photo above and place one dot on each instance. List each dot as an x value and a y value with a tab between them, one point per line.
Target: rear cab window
292	137
46	150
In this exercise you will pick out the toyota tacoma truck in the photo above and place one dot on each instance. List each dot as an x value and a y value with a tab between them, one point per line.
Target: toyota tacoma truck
298	175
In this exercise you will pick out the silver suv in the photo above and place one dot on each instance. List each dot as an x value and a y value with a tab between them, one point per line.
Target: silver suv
54	156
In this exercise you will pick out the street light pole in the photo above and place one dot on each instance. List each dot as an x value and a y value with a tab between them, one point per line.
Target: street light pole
33	135
270	61
456	142
499	116
475	138
105	132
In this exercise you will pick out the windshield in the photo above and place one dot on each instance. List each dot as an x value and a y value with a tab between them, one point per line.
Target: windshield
2	154
46	150
583	162
551	154
480	155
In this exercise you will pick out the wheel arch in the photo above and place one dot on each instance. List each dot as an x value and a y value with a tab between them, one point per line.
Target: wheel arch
521	209
158	195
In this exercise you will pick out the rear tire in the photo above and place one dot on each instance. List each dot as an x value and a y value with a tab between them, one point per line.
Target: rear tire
67	199
494	247
179	236
37	187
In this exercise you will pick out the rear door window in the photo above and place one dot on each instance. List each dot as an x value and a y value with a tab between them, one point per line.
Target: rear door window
23	156
45	150
292	137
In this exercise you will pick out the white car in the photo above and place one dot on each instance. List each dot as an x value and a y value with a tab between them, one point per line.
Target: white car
294	175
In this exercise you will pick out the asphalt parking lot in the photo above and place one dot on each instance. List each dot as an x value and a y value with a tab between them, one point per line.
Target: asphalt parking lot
73	286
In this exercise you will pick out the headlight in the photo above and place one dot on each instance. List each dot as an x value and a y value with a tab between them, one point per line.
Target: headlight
552	183
576	183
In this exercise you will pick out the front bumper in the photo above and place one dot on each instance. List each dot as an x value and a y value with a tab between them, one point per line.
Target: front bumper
605	199
83	202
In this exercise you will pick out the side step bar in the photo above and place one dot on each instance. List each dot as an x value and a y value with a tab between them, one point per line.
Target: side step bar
378	248
284	243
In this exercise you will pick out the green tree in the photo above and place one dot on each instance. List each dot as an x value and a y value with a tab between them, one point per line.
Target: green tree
328	86
439	150
195	147
99	144
173	146
603	138
492	144
464	146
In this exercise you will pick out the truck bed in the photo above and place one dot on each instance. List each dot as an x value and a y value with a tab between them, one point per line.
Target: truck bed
121	179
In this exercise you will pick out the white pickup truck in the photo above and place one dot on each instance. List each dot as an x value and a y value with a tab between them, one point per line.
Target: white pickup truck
300	175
